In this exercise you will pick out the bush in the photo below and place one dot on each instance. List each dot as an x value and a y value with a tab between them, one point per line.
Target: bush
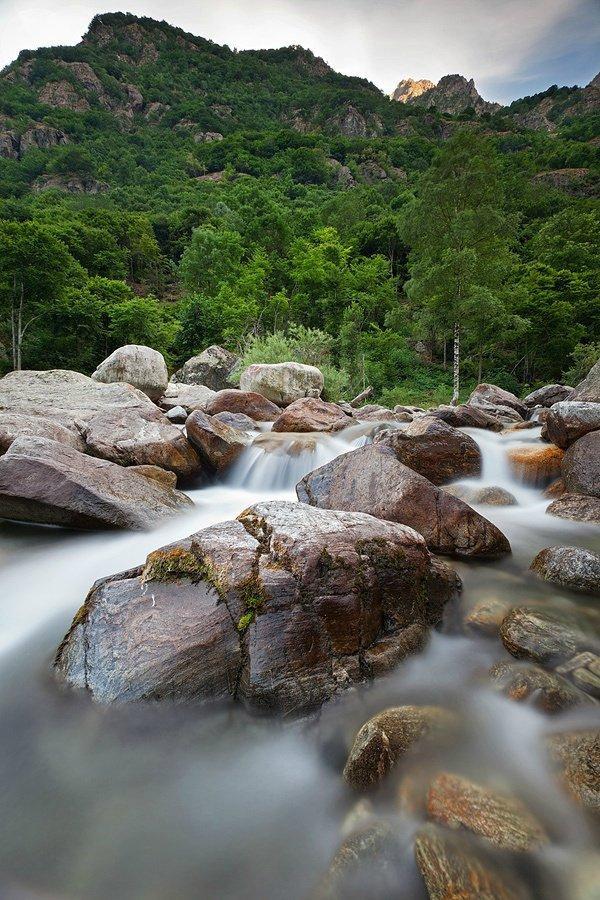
584	356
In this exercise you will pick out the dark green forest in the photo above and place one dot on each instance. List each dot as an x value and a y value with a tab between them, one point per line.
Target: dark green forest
156	188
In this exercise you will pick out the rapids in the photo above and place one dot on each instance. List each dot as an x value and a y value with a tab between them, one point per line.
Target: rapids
156	801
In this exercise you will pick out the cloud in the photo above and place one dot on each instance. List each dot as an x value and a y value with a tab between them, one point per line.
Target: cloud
508	46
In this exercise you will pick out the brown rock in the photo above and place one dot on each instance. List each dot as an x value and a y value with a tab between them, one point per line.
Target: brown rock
555	489
218	444
584	671
547	636
253	405
569	421
578	756
311	414
536	465
237	420
547	396
547	691
571	567
496	396
14	425
581	466
434	449
369	863
155	473
577	507
487	615
466	416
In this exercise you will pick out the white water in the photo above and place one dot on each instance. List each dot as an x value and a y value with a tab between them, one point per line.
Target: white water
162	802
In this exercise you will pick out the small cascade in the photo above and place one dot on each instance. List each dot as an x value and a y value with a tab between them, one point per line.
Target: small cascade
496	469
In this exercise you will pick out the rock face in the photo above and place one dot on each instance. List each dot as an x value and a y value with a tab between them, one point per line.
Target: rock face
385	738
570	567
213	368
577	507
409	90
491	394
283	382
568	421
453	94
581	466
547	636
547	396
435	450
537	466
503	820
251	404
276	610
466	416
14	425
547	691
589	388
372	480
311	414
218	444
141	438
135	364
49	483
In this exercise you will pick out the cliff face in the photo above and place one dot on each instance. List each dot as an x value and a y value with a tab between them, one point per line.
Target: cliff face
408	89
452	95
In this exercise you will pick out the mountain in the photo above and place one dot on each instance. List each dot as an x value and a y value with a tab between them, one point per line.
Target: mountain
453	94
409	90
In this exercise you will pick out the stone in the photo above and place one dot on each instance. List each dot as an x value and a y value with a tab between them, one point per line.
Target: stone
577	507
190	397
237	420
141	438
434	449
496	396
311	414
372	480
369	863
577	754
500	818
589	388
14	425
537	465
218	444
466	416
567	422
493	496
584	670
555	489
386	737
283	383
548	395
275	610
486	615
581	466
177	414
155	473
547	636
547	691
570	567
456	869
49	483
212	368
140	366
249	403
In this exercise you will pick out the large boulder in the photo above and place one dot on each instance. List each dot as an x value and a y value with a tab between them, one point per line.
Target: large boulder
491	394
434	449
466	416
548	636
536	465
567	422
548	395
283	382
589	388
49	483
249	403
14	425
311	414
188	396
372	480
569	567
276	609
577	507
141	438
218	444
135	364
212	368
581	466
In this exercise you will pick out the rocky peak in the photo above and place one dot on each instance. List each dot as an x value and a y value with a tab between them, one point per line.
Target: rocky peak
453	94
408	89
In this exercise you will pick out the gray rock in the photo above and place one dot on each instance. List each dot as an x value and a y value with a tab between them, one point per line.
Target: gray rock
134	364
567	422
577	507
589	388
212	368
466	416
548	395
177	414
581	466
282	383
495	396
188	396
14	425
548	636
237	420
569	567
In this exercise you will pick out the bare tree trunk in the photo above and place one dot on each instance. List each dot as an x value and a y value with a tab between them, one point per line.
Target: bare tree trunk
20	328
456	373
362	396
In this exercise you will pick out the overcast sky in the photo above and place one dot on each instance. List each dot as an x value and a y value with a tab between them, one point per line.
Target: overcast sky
510	47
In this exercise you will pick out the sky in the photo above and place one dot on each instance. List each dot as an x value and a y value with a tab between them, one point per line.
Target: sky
510	47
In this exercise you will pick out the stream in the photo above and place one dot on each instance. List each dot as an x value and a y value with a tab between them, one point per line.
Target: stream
166	802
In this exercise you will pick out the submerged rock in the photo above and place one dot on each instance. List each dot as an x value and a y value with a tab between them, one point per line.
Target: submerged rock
369	863
547	691
134	364
581	466
218	444
45	482
212	368
276	609
486	615
569	421
547	636
434	449
536	466
311	414
283	383
570	567
251	404
578	756
372	480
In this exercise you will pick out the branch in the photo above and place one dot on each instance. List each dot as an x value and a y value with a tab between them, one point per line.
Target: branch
362	396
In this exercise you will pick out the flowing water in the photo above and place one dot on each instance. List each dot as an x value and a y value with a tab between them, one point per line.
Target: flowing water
162	802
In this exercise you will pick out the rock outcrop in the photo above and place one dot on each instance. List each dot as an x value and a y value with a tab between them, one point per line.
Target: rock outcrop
283	383
409	90
135	364
276	609
453	94
212	368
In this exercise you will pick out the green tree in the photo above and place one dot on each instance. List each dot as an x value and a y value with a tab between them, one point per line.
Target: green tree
214	256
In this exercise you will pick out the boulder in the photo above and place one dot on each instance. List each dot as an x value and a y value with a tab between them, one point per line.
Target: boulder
567	422
577	754
577	507
496	396
188	396
487	614
155	473
237	420
581	466
14	425
372	412
134	364
218	444
249	403
283	382
493	496
275	609
547	691
311	414
570	567
212	368
537	465
386	737
466	417
141	438
506	415
547	636
500	818
548	395
49	483
589	388
434	449
177	414
372	480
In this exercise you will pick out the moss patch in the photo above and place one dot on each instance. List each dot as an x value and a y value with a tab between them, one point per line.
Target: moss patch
173	564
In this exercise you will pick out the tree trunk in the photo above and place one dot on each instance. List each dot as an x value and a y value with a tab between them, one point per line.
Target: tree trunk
456	378
445	354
